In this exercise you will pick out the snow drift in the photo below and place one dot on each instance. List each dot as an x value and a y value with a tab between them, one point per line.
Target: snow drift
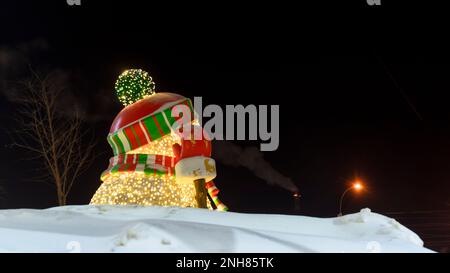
173	229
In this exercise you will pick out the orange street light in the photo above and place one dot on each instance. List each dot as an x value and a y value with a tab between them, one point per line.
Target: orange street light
357	186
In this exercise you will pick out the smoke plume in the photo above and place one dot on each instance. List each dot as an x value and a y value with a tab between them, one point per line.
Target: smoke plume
251	158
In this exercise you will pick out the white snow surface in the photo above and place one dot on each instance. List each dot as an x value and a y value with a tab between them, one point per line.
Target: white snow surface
173	229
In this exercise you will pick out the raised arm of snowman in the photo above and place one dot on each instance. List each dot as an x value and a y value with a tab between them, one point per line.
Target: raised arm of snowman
195	165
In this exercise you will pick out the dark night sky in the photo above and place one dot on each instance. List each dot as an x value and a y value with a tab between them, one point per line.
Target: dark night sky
336	76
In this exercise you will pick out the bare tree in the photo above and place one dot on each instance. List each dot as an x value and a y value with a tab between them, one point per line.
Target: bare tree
53	135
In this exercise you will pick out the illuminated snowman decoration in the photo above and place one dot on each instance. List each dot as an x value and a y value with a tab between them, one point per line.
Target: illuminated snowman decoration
153	164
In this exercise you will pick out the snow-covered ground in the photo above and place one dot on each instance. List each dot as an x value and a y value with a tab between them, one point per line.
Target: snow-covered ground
171	229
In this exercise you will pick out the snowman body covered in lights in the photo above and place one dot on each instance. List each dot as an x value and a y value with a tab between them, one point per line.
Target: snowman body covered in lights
153	163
